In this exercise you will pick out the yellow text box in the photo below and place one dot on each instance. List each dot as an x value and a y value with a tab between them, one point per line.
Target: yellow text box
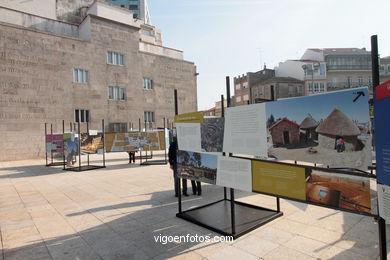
195	117
279	179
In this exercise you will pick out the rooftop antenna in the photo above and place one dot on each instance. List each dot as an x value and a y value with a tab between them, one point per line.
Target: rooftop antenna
260	56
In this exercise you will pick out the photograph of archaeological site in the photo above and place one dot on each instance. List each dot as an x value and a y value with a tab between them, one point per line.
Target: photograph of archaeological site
331	130
197	166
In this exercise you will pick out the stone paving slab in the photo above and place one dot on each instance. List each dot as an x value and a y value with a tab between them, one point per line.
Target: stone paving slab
117	212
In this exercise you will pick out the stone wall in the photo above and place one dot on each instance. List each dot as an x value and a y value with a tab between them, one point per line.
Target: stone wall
37	83
278	136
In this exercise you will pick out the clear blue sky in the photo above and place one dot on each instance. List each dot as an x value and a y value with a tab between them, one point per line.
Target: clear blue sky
320	106
232	37
208	160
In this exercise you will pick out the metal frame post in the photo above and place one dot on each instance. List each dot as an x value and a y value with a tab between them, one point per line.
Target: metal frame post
375	82
104	145
79	145
63	144
165	148
51	150
88	137
46	143
178	179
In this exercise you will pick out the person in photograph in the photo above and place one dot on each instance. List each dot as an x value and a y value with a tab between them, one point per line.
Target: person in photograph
340	145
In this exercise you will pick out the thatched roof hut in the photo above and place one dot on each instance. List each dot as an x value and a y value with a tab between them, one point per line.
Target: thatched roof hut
309	125
309	122
338	124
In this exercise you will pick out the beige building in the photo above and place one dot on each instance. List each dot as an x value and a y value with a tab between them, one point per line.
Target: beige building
283	87
104	68
384	69
335	69
244	83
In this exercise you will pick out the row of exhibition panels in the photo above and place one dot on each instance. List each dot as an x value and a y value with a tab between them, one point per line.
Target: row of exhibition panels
313	149
95	141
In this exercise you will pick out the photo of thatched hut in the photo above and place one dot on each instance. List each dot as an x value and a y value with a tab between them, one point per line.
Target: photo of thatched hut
309	125
284	132
322	129
338	125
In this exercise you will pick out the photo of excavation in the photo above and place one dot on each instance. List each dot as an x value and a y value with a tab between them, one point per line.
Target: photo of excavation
197	166
330	129
91	143
339	191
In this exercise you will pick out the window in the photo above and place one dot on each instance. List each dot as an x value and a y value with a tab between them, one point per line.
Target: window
147	32
117	127
322	87
148	83
238	86
316	88
388	67
238	99
322	69
149	116
80	76
115	58
116	93
360	81
381	67
310	87
81	116
245	97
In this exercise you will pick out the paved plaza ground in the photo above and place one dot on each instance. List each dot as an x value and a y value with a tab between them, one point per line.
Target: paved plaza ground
114	213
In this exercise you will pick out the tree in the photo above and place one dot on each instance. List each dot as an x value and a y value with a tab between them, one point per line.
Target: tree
198	159
183	157
270	121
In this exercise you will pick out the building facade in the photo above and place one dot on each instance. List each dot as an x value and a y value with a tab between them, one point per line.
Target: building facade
336	69
384	69
282	87
244	83
138	7
100	69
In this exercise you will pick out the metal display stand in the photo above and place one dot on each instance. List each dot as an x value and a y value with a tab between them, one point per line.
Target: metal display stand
89	166
52	162
226	216
375	81
140	156
156	162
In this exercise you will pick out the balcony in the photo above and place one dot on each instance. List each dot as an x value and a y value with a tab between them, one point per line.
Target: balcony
348	67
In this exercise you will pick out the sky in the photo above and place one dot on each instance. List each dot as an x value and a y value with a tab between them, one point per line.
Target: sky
320	106
208	160
232	37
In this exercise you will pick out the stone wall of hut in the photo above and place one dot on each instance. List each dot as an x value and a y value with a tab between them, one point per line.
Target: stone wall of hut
328	142
277	133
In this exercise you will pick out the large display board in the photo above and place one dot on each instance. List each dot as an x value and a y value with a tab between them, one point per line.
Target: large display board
71	147
382	136
331	129
317	186
91	142
234	173
197	166
133	141
55	143
245	130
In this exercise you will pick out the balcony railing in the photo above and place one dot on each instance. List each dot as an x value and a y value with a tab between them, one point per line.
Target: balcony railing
348	67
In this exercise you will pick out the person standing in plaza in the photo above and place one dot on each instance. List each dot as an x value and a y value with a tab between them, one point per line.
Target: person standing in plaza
172	153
